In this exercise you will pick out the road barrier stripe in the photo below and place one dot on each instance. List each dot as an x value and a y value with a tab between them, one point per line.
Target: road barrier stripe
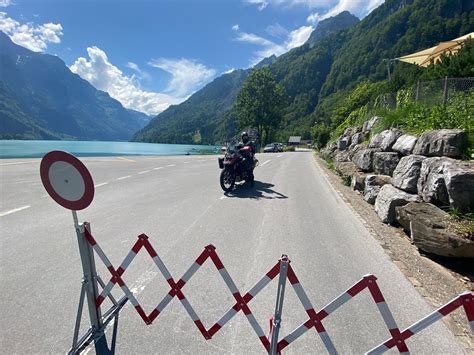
315	318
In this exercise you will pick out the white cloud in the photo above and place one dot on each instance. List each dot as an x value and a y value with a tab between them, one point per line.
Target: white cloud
360	8
140	73
29	35
236	27
298	37
277	30
5	3
293	39
105	76
262	4
187	75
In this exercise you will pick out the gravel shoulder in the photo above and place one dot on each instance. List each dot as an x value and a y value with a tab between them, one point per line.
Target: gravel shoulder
436	283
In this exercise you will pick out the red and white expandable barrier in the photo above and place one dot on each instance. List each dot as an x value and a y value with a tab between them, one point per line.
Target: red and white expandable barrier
241	301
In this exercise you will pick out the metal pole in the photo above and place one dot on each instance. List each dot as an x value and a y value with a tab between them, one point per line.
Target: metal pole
445	91
279	304
90	277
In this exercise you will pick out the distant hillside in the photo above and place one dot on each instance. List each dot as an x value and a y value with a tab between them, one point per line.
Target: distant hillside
208	110
40	98
340	54
325	27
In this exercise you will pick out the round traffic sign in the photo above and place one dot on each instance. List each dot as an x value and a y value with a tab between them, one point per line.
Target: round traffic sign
67	180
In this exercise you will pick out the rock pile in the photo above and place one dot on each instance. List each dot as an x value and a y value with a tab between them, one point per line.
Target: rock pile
410	180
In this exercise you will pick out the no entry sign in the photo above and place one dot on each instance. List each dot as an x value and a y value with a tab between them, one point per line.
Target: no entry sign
67	180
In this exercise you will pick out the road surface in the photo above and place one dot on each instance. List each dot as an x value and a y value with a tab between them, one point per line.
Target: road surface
178	203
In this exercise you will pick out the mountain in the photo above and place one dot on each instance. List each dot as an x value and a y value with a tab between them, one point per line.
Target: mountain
40	98
330	64
333	24
208	111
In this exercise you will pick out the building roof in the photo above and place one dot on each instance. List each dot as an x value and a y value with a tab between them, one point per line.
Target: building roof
294	139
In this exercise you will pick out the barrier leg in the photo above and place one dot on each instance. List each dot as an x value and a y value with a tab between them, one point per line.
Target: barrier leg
90	278
279	304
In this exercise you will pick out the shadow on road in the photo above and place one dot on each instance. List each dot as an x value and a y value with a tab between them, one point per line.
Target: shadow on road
261	190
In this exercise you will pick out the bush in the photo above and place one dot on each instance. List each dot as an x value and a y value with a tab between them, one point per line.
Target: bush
290	148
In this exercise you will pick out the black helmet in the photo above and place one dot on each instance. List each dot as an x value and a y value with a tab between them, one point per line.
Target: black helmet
245	137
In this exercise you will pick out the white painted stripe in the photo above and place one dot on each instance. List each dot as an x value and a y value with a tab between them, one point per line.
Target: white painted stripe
164	302
387	315
107	289
227	317
162	267
279	156
295	334
130	295
190	272
265	162
189	309
4	213
144	172
171	165
102	255
223	197
302	296
256	327
228	281
124	177
377	350
425	322
102	184
186	162
338	302
260	285
328	343
128	259
158	168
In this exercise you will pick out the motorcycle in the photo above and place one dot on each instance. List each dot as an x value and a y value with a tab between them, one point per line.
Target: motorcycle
234	169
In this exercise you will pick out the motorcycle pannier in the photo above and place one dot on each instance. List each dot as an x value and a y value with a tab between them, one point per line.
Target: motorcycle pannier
221	162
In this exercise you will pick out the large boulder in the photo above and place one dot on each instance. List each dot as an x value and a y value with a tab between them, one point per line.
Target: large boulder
385	139
346	168
431	184
343	143
407	173
357	138
369	124
350	131
340	156
358	181
459	180
363	158
372	186
405	144
384	163
442	142
435	231
390	197
353	149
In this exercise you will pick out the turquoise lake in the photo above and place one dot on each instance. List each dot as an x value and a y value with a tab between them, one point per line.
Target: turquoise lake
37	149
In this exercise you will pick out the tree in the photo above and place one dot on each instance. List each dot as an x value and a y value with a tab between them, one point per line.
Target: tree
260	103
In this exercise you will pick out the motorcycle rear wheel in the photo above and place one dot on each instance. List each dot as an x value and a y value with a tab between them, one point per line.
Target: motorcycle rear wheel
227	180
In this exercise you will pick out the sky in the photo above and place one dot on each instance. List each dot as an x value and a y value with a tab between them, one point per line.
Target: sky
150	54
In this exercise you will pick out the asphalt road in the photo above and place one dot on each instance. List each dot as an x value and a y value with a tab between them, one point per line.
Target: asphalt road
178	203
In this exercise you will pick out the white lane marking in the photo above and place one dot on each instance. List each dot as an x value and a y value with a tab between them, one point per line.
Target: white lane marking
266	162
223	197
123	177
279	156
171	165
158	168
186	162
102	184
144	172
4	213
19	162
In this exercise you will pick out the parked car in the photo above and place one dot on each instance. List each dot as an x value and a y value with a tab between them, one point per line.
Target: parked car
280	147
270	148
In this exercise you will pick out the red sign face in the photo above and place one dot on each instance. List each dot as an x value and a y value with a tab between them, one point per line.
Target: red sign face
67	180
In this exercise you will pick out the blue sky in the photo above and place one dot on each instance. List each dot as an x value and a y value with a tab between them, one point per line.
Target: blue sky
150	54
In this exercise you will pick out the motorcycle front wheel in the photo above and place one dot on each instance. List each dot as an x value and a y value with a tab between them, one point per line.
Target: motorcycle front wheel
227	180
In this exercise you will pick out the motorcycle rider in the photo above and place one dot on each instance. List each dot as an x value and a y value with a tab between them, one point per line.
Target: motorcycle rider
248	158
